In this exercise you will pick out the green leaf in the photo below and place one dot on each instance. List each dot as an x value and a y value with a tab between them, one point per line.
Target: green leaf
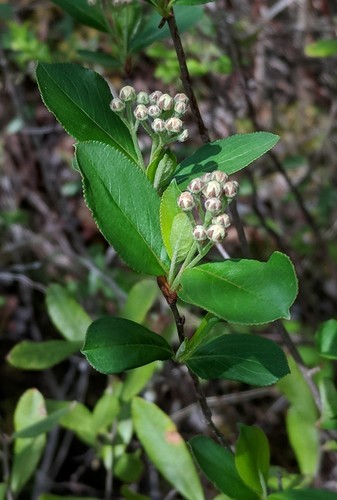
166	448
191	2
181	237
140	300
129	494
80	100
90	15
113	345
29	355
78	420
305	494
229	155
45	425
129	467
136	380
252	457
322	48
105	411
246	358
67	315
124	205
218	465
100	58
27	451
326	339
242	291
48	496
328	393
168	211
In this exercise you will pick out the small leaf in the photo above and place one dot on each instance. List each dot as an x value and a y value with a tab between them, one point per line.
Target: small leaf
67	315
246	358
181	237
84	13
124	205
129	494
218	465
328	393
77	420
136	380
252	457
140	300
229	155
129	467
44	425
168	211
326	339
305	494
80	100
27	452
322	48
113	345
105	411
242	291
166	448
29	355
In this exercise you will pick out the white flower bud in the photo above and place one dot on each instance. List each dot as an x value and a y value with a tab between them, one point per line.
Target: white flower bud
117	105
173	125
199	233
180	108
213	205
155	96
158	125
219	176
183	136
231	189
127	93
181	97
206	177
222	219
91	2
216	233
154	111
212	190
165	102
143	98
141	112
186	201
196	186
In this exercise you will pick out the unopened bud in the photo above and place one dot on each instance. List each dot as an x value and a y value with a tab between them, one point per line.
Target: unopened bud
212	190
183	136
143	98
158	125
154	111
199	233
165	102
181	97
219	176
127	93
155	96
222	219
180	108
213	205
186	201
173	125
117	105
206	177
196	186
230	189
141	112
216	233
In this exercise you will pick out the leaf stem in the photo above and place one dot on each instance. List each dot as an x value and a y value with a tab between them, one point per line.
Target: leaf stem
186	262
133	130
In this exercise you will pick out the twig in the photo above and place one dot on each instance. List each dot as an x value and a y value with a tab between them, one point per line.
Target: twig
186	78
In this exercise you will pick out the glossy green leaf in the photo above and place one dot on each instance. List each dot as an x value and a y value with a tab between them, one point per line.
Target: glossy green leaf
252	457
322	48
44	425
29	355
124	205
80	100
328	393
105	411
181	237
166	448
27	451
113	345
136	380
100	58
305	494
67	315
326	339
229	155
242	291
168	211
140	300
78	420
246	358
201	336
84	13
218	464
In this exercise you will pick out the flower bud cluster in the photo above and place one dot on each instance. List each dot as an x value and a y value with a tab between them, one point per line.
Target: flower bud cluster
210	193
161	111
